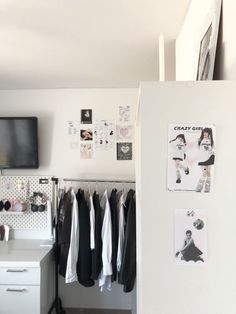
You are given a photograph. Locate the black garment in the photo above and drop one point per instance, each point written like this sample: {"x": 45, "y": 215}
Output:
{"x": 97, "y": 252}
{"x": 192, "y": 253}
{"x": 128, "y": 265}
{"x": 84, "y": 265}
{"x": 64, "y": 230}
{"x": 114, "y": 223}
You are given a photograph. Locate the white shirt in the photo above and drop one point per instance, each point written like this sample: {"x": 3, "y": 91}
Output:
{"x": 105, "y": 276}
{"x": 206, "y": 149}
{"x": 178, "y": 149}
{"x": 92, "y": 223}
{"x": 121, "y": 233}
{"x": 71, "y": 267}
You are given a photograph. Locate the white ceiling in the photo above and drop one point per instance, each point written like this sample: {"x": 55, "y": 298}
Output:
{"x": 84, "y": 43}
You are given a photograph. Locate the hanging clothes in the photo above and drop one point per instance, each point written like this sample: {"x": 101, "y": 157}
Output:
{"x": 64, "y": 230}
{"x": 71, "y": 268}
{"x": 121, "y": 227}
{"x": 92, "y": 222}
{"x": 114, "y": 223}
{"x": 97, "y": 252}
{"x": 128, "y": 265}
{"x": 84, "y": 265}
{"x": 105, "y": 275}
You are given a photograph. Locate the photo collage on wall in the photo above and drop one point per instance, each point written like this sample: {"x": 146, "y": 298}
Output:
{"x": 89, "y": 136}
{"x": 191, "y": 157}
{"x": 124, "y": 145}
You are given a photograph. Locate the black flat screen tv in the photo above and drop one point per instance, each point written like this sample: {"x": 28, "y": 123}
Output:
{"x": 18, "y": 142}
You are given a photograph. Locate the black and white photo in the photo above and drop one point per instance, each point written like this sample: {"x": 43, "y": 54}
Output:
{"x": 190, "y": 236}
{"x": 86, "y": 116}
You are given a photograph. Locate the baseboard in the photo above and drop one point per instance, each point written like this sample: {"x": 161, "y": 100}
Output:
{"x": 96, "y": 311}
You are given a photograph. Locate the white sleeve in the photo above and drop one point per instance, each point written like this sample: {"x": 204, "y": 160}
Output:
{"x": 105, "y": 276}
{"x": 71, "y": 268}
{"x": 121, "y": 234}
{"x": 92, "y": 223}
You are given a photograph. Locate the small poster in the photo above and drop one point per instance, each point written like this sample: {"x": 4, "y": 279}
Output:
{"x": 104, "y": 133}
{"x": 191, "y": 157}
{"x": 124, "y": 151}
{"x": 124, "y": 113}
{"x": 124, "y": 132}
{"x": 86, "y": 134}
{"x": 73, "y": 127}
{"x": 190, "y": 237}
{"x": 86, "y": 150}
{"x": 86, "y": 116}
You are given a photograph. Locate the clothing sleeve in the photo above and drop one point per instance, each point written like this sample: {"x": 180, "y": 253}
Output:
{"x": 92, "y": 223}
{"x": 121, "y": 235}
{"x": 71, "y": 268}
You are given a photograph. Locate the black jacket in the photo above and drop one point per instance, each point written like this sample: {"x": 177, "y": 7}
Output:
{"x": 128, "y": 265}
{"x": 114, "y": 223}
{"x": 97, "y": 252}
{"x": 84, "y": 265}
{"x": 64, "y": 230}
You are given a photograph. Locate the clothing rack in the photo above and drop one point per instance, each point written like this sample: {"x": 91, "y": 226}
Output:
{"x": 57, "y": 304}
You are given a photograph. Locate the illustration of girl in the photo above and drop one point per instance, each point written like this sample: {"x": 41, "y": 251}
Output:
{"x": 207, "y": 159}
{"x": 179, "y": 155}
{"x": 189, "y": 250}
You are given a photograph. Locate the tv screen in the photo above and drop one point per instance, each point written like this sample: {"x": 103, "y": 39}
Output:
{"x": 18, "y": 142}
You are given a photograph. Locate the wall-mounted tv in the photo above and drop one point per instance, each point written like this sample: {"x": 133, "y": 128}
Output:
{"x": 18, "y": 142}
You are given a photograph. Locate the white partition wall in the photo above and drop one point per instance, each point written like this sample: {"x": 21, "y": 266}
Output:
{"x": 163, "y": 286}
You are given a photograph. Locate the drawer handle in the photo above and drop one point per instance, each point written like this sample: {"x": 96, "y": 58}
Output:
{"x": 15, "y": 290}
{"x": 16, "y": 270}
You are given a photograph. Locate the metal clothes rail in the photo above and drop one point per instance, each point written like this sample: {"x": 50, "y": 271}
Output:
{"x": 57, "y": 304}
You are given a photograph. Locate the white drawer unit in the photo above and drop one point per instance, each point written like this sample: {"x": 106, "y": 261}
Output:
{"x": 26, "y": 277}
{"x": 20, "y": 299}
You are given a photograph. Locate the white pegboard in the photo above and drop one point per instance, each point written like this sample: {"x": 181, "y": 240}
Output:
{"x": 22, "y": 187}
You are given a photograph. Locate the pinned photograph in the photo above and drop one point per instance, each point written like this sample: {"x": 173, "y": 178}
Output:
{"x": 190, "y": 237}
{"x": 191, "y": 157}
{"x": 86, "y": 116}
{"x": 86, "y": 134}
{"x": 123, "y": 132}
{"x": 124, "y": 151}
{"x": 86, "y": 150}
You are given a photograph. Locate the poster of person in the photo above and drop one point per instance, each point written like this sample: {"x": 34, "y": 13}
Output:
{"x": 86, "y": 116}
{"x": 190, "y": 237}
{"x": 86, "y": 150}
{"x": 191, "y": 157}
{"x": 204, "y": 56}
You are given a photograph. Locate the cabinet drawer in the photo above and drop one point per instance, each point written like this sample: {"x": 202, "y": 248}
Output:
{"x": 19, "y": 275}
{"x": 19, "y": 299}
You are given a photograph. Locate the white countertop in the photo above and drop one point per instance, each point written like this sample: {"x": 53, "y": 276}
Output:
{"x": 24, "y": 253}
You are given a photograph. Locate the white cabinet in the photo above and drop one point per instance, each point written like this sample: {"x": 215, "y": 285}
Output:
{"x": 27, "y": 288}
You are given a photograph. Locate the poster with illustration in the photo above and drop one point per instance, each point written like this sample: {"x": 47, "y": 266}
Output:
{"x": 104, "y": 134}
{"x": 124, "y": 113}
{"x": 190, "y": 237}
{"x": 86, "y": 150}
{"x": 124, "y": 132}
{"x": 86, "y": 116}
{"x": 191, "y": 157}
{"x": 124, "y": 151}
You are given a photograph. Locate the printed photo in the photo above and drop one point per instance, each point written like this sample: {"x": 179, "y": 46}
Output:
{"x": 124, "y": 151}
{"x": 86, "y": 116}
{"x": 191, "y": 157}
{"x": 204, "y": 56}
{"x": 86, "y": 134}
{"x": 86, "y": 151}
{"x": 190, "y": 237}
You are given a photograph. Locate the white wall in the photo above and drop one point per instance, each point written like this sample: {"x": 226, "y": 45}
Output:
{"x": 163, "y": 286}
{"x": 54, "y": 108}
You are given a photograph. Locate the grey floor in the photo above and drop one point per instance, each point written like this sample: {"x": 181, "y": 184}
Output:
{"x": 94, "y": 311}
